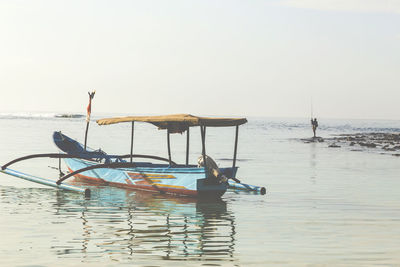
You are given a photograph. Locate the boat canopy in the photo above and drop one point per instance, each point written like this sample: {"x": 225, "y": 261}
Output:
{"x": 177, "y": 123}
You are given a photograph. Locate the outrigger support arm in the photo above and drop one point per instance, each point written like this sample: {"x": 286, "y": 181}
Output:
{"x": 88, "y": 157}
{"x": 48, "y": 155}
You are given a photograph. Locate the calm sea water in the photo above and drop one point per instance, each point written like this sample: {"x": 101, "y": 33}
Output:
{"x": 324, "y": 206}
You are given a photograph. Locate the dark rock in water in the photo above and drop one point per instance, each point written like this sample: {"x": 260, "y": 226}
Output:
{"x": 318, "y": 139}
{"x": 380, "y": 142}
{"x": 74, "y": 116}
{"x": 373, "y": 145}
{"x": 370, "y": 145}
{"x": 313, "y": 140}
{"x": 334, "y": 145}
{"x": 389, "y": 148}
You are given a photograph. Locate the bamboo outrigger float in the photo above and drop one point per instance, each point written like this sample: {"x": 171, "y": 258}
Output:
{"x": 97, "y": 167}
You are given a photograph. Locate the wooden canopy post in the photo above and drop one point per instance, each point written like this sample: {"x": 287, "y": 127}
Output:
{"x": 132, "y": 133}
{"x": 86, "y": 133}
{"x": 169, "y": 147}
{"x": 187, "y": 146}
{"x": 235, "y": 151}
{"x": 203, "y": 145}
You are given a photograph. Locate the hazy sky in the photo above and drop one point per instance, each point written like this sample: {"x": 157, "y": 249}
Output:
{"x": 246, "y": 58}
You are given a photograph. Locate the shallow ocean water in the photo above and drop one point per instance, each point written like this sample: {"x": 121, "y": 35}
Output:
{"x": 324, "y": 206}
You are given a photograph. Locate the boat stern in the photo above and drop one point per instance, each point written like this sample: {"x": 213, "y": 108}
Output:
{"x": 207, "y": 188}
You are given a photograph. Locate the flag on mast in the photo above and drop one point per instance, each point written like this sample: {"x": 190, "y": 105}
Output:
{"x": 89, "y": 107}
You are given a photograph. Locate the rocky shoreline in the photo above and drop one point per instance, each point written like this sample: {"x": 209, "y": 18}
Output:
{"x": 384, "y": 143}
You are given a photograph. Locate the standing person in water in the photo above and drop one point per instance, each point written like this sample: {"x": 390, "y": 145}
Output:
{"x": 314, "y": 124}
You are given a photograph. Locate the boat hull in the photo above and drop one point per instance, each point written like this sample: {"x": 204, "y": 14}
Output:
{"x": 185, "y": 180}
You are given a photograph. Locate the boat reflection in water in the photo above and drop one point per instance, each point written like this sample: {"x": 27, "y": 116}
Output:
{"x": 142, "y": 226}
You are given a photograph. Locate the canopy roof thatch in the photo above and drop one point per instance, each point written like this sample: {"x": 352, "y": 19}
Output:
{"x": 177, "y": 123}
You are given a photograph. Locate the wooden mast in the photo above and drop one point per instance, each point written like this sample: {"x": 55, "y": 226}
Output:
{"x": 89, "y": 111}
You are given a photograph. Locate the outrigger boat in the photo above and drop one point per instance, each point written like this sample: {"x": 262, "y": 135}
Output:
{"x": 98, "y": 167}
{"x": 205, "y": 179}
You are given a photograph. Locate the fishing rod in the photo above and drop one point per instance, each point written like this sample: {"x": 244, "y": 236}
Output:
{"x": 311, "y": 108}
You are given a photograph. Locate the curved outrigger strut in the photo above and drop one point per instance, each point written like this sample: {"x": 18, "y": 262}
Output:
{"x": 90, "y": 156}
{"x": 47, "y": 155}
{"x": 87, "y": 156}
